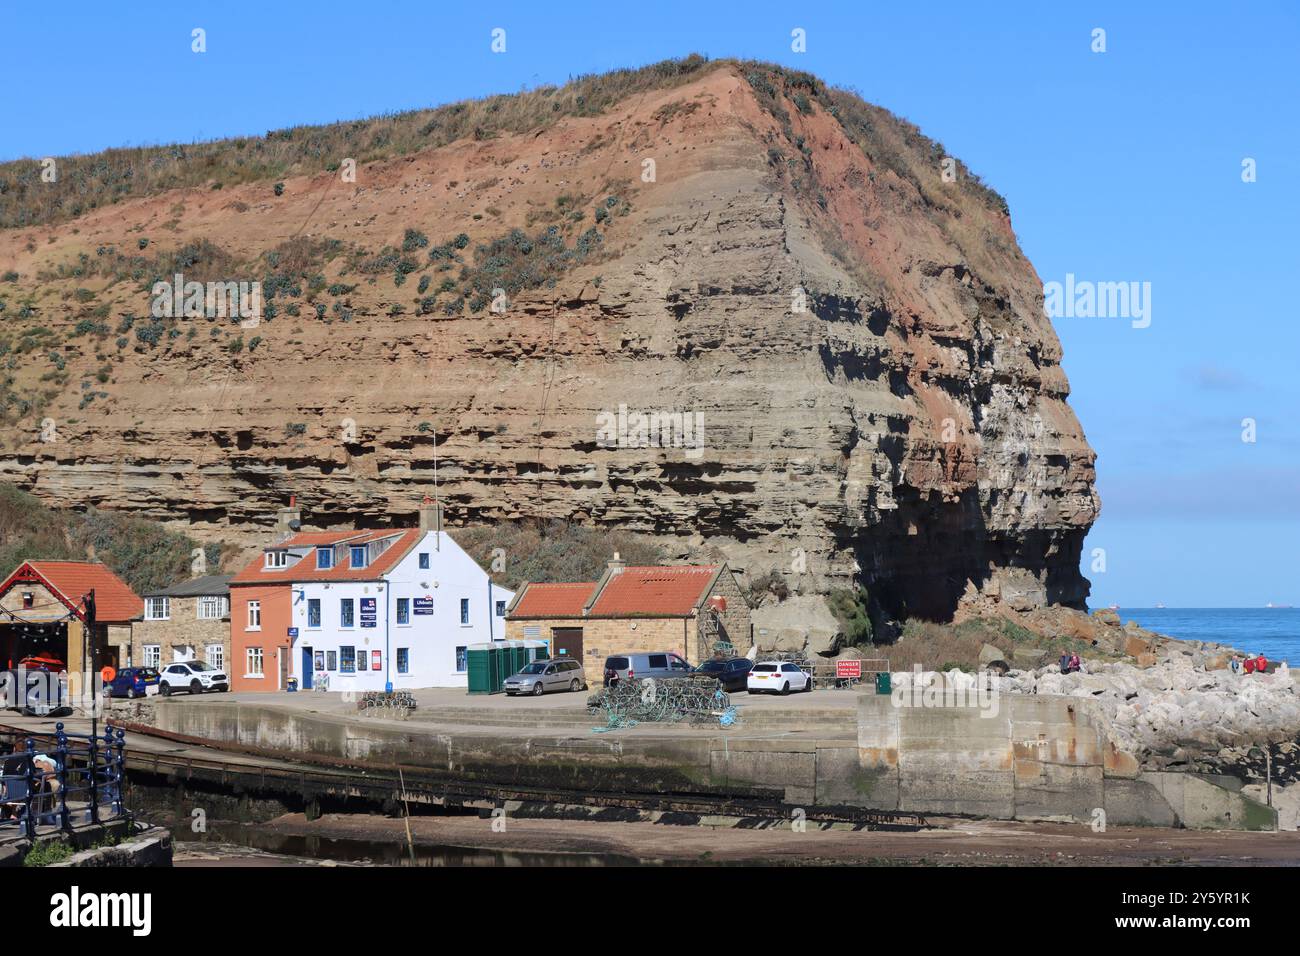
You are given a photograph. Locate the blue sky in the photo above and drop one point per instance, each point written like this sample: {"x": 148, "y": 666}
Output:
{"x": 1123, "y": 165}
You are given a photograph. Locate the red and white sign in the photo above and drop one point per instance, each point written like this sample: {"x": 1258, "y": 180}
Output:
{"x": 848, "y": 670}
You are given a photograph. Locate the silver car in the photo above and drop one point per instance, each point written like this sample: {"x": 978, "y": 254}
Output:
{"x": 540, "y": 676}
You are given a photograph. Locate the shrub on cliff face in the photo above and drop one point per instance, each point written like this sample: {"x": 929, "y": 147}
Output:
{"x": 773, "y": 582}
{"x": 517, "y": 262}
{"x": 938, "y": 646}
{"x": 29, "y": 530}
{"x": 144, "y": 554}
{"x": 850, "y": 610}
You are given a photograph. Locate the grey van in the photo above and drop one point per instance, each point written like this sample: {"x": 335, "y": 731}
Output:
{"x": 540, "y": 676}
{"x": 658, "y": 664}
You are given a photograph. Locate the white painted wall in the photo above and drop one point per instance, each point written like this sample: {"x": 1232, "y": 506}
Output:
{"x": 429, "y": 639}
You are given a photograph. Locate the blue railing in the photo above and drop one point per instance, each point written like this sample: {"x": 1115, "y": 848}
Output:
{"x": 68, "y": 780}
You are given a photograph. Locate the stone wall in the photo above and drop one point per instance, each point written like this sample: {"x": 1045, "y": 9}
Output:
{"x": 182, "y": 629}
{"x": 45, "y": 606}
{"x": 735, "y": 620}
{"x": 604, "y": 636}
{"x": 1039, "y": 759}
{"x": 1030, "y": 758}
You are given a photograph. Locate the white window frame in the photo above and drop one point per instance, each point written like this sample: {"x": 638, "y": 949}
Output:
{"x": 365, "y": 556}
{"x": 249, "y": 655}
{"x": 277, "y": 560}
{"x": 466, "y": 618}
{"x": 397, "y": 612}
{"x": 319, "y": 615}
{"x": 254, "y": 616}
{"x": 353, "y": 604}
{"x": 321, "y": 551}
{"x": 222, "y": 607}
{"x": 152, "y": 654}
{"x": 150, "y": 609}
{"x": 217, "y": 660}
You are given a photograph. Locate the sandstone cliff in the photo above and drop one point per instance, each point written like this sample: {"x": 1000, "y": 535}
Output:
{"x": 907, "y": 430}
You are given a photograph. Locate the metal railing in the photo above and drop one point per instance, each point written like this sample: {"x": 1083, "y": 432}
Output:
{"x": 56, "y": 781}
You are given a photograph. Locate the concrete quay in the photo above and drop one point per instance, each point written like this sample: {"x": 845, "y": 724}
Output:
{"x": 1038, "y": 758}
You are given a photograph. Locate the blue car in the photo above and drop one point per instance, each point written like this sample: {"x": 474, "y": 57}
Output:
{"x": 133, "y": 682}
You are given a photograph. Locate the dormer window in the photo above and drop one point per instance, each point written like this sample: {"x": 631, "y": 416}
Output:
{"x": 324, "y": 558}
{"x": 360, "y": 555}
{"x": 277, "y": 559}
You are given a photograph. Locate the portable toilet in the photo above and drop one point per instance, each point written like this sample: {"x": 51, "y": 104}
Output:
{"x": 535, "y": 650}
{"x": 517, "y": 654}
{"x": 483, "y": 668}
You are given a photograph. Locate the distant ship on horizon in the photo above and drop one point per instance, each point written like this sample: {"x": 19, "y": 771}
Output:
{"x": 1279, "y": 606}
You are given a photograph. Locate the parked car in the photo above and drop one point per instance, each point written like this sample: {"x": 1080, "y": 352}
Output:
{"x": 657, "y": 664}
{"x": 733, "y": 672}
{"x": 133, "y": 682}
{"x": 193, "y": 676}
{"x": 540, "y": 676}
{"x": 777, "y": 677}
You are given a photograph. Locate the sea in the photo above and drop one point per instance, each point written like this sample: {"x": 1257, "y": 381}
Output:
{"x": 1272, "y": 631}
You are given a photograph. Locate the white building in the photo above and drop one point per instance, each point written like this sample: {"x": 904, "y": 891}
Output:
{"x": 390, "y": 609}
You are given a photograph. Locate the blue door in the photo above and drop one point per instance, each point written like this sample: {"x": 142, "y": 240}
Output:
{"x": 306, "y": 668}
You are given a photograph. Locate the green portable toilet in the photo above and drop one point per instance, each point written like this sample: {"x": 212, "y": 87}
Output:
{"x": 485, "y": 666}
{"x": 478, "y": 668}
{"x": 518, "y": 655}
{"x": 499, "y": 666}
{"x": 883, "y": 683}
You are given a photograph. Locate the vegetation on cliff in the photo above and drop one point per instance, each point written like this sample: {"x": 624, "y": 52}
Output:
{"x": 515, "y": 552}
{"x": 143, "y": 553}
{"x": 102, "y": 179}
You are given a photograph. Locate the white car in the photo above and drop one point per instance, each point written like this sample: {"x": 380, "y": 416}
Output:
{"x": 777, "y": 677}
{"x": 193, "y": 676}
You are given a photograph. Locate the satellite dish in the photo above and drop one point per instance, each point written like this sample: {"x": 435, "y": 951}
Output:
{"x": 294, "y": 524}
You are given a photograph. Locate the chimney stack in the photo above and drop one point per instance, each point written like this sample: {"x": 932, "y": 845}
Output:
{"x": 289, "y": 520}
{"x": 430, "y": 515}
{"x": 617, "y": 564}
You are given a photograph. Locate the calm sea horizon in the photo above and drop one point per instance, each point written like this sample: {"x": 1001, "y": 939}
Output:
{"x": 1272, "y": 631}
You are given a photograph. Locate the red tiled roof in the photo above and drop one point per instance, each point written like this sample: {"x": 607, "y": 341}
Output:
{"x": 305, "y": 568}
{"x": 553, "y": 600}
{"x": 115, "y": 602}
{"x": 654, "y": 591}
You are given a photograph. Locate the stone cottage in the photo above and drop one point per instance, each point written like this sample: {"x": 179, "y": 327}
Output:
{"x": 688, "y": 610}
{"x": 43, "y": 613}
{"x": 185, "y": 622}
